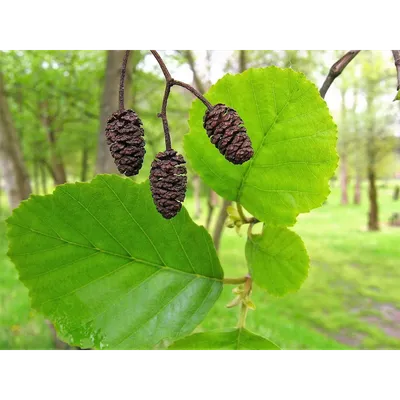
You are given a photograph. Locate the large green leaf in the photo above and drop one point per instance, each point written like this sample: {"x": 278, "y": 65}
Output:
{"x": 234, "y": 339}
{"x": 108, "y": 270}
{"x": 277, "y": 260}
{"x": 293, "y": 135}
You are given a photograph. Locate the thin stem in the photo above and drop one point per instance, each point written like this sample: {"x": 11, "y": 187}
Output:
{"x": 162, "y": 65}
{"x": 122, "y": 80}
{"x": 163, "y": 116}
{"x": 336, "y": 70}
{"x": 169, "y": 82}
{"x": 242, "y": 316}
{"x": 241, "y": 213}
{"x": 243, "y": 308}
{"x": 396, "y": 56}
{"x": 194, "y": 91}
{"x": 234, "y": 281}
{"x": 250, "y": 229}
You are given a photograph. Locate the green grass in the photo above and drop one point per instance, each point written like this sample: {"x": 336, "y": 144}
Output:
{"x": 351, "y": 298}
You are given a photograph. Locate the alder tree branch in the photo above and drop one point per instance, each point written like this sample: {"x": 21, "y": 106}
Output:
{"x": 122, "y": 80}
{"x": 163, "y": 116}
{"x": 336, "y": 70}
{"x": 235, "y": 281}
{"x": 169, "y": 82}
{"x": 396, "y": 57}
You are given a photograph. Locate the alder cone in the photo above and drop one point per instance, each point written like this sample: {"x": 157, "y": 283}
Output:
{"x": 226, "y": 131}
{"x": 124, "y": 134}
{"x": 168, "y": 182}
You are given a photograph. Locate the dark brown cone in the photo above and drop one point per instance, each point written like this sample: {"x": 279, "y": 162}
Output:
{"x": 226, "y": 131}
{"x": 124, "y": 134}
{"x": 168, "y": 182}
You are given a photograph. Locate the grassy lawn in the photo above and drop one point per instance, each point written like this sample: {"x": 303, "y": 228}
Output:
{"x": 351, "y": 298}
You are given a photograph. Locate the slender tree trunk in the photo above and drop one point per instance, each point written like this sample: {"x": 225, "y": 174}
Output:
{"x": 357, "y": 189}
{"x": 343, "y": 180}
{"x": 85, "y": 161}
{"x": 373, "y": 214}
{"x": 105, "y": 163}
{"x": 43, "y": 178}
{"x": 220, "y": 224}
{"x": 57, "y": 163}
{"x": 197, "y": 196}
{"x": 16, "y": 179}
{"x": 212, "y": 202}
{"x": 35, "y": 176}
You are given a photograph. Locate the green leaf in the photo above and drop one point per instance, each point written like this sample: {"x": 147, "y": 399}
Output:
{"x": 277, "y": 259}
{"x": 234, "y": 339}
{"x": 397, "y": 96}
{"x": 104, "y": 266}
{"x": 293, "y": 135}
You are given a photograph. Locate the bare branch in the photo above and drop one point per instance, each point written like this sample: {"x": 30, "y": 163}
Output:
{"x": 188, "y": 54}
{"x": 396, "y": 56}
{"x": 336, "y": 70}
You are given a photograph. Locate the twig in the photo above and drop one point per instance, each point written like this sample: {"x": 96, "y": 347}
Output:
{"x": 396, "y": 56}
{"x": 169, "y": 82}
{"x": 235, "y": 281}
{"x": 174, "y": 82}
{"x": 162, "y": 65}
{"x": 122, "y": 80}
{"x": 163, "y": 116}
{"x": 194, "y": 91}
{"x": 336, "y": 70}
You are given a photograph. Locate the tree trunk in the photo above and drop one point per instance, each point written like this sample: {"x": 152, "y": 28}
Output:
{"x": 212, "y": 203}
{"x": 197, "y": 196}
{"x": 357, "y": 189}
{"x": 85, "y": 161}
{"x": 373, "y": 214}
{"x": 220, "y": 224}
{"x": 343, "y": 180}
{"x": 57, "y": 163}
{"x": 16, "y": 179}
{"x": 105, "y": 163}
{"x": 43, "y": 178}
{"x": 35, "y": 176}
